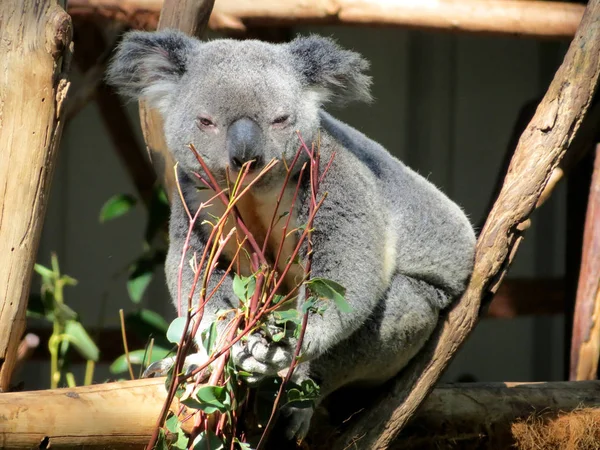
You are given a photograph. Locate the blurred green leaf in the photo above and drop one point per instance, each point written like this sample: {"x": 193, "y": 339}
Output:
{"x": 158, "y": 214}
{"x": 44, "y": 272}
{"x": 35, "y": 307}
{"x": 137, "y": 358}
{"x": 81, "y": 340}
{"x": 146, "y": 323}
{"x": 117, "y": 206}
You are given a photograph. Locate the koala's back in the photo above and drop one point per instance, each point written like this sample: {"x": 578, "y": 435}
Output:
{"x": 426, "y": 235}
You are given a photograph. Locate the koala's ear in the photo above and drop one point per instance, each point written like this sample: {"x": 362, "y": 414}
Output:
{"x": 336, "y": 72}
{"x": 149, "y": 65}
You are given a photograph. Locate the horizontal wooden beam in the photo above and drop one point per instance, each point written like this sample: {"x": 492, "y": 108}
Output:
{"x": 121, "y": 414}
{"x": 527, "y": 18}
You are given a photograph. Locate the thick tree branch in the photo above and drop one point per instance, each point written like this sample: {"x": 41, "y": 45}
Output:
{"x": 539, "y": 151}
{"x": 122, "y": 414}
{"x": 520, "y": 18}
{"x": 585, "y": 347}
{"x": 35, "y": 38}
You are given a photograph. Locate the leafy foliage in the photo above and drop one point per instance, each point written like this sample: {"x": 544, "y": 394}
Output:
{"x": 67, "y": 330}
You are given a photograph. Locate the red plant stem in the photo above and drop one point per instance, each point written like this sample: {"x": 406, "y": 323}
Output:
{"x": 257, "y": 295}
{"x": 258, "y": 255}
{"x": 182, "y": 260}
{"x": 314, "y": 182}
{"x": 279, "y": 198}
{"x": 185, "y": 248}
{"x": 296, "y": 250}
{"x": 289, "y": 217}
{"x": 226, "y": 200}
{"x": 172, "y": 388}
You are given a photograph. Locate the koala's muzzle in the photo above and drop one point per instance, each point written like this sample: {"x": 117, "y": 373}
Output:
{"x": 245, "y": 142}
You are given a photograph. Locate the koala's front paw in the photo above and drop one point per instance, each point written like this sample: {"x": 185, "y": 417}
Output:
{"x": 161, "y": 368}
{"x": 297, "y": 422}
{"x": 261, "y": 357}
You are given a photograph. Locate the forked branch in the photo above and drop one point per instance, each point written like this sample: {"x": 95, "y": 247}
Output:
{"x": 539, "y": 151}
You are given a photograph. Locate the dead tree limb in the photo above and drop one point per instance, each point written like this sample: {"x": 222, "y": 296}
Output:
{"x": 122, "y": 414}
{"x": 35, "y": 38}
{"x": 585, "y": 346}
{"x": 482, "y": 415}
{"x": 191, "y": 17}
{"x": 504, "y": 17}
{"x": 539, "y": 151}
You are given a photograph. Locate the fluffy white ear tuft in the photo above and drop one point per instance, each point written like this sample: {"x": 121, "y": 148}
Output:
{"x": 148, "y": 65}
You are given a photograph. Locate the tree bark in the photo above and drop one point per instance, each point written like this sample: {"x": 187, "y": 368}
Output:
{"x": 539, "y": 151}
{"x": 519, "y": 18}
{"x": 585, "y": 347}
{"x": 35, "y": 39}
{"x": 481, "y": 415}
{"x": 122, "y": 414}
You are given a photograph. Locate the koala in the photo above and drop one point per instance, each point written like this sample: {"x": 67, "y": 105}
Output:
{"x": 399, "y": 246}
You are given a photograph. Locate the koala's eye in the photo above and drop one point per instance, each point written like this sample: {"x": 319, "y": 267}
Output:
{"x": 281, "y": 120}
{"x": 205, "y": 122}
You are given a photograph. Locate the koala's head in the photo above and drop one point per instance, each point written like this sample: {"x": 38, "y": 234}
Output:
{"x": 236, "y": 101}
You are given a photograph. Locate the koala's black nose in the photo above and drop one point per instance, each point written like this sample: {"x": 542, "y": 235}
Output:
{"x": 245, "y": 142}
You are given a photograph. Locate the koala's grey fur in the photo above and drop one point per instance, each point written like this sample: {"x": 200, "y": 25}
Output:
{"x": 399, "y": 246}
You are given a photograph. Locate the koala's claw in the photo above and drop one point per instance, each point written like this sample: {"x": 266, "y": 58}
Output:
{"x": 298, "y": 422}
{"x": 261, "y": 357}
{"x": 161, "y": 368}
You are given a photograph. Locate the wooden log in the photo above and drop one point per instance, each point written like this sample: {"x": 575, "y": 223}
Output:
{"x": 502, "y": 17}
{"x": 35, "y": 38}
{"x": 111, "y": 415}
{"x": 539, "y": 151}
{"x": 482, "y": 415}
{"x": 122, "y": 414}
{"x": 585, "y": 345}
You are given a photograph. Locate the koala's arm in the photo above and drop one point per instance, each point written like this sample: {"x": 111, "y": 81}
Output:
{"x": 349, "y": 249}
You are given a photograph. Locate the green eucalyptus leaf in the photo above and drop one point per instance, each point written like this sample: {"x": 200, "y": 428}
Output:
{"x": 330, "y": 290}
{"x": 209, "y": 337}
{"x": 176, "y": 330}
{"x": 278, "y": 336}
{"x": 81, "y": 340}
{"x": 117, "y": 206}
{"x": 172, "y": 424}
{"x": 243, "y": 445}
{"x": 208, "y": 440}
{"x": 244, "y": 287}
{"x": 289, "y": 315}
{"x": 210, "y": 399}
{"x": 161, "y": 443}
{"x": 182, "y": 441}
